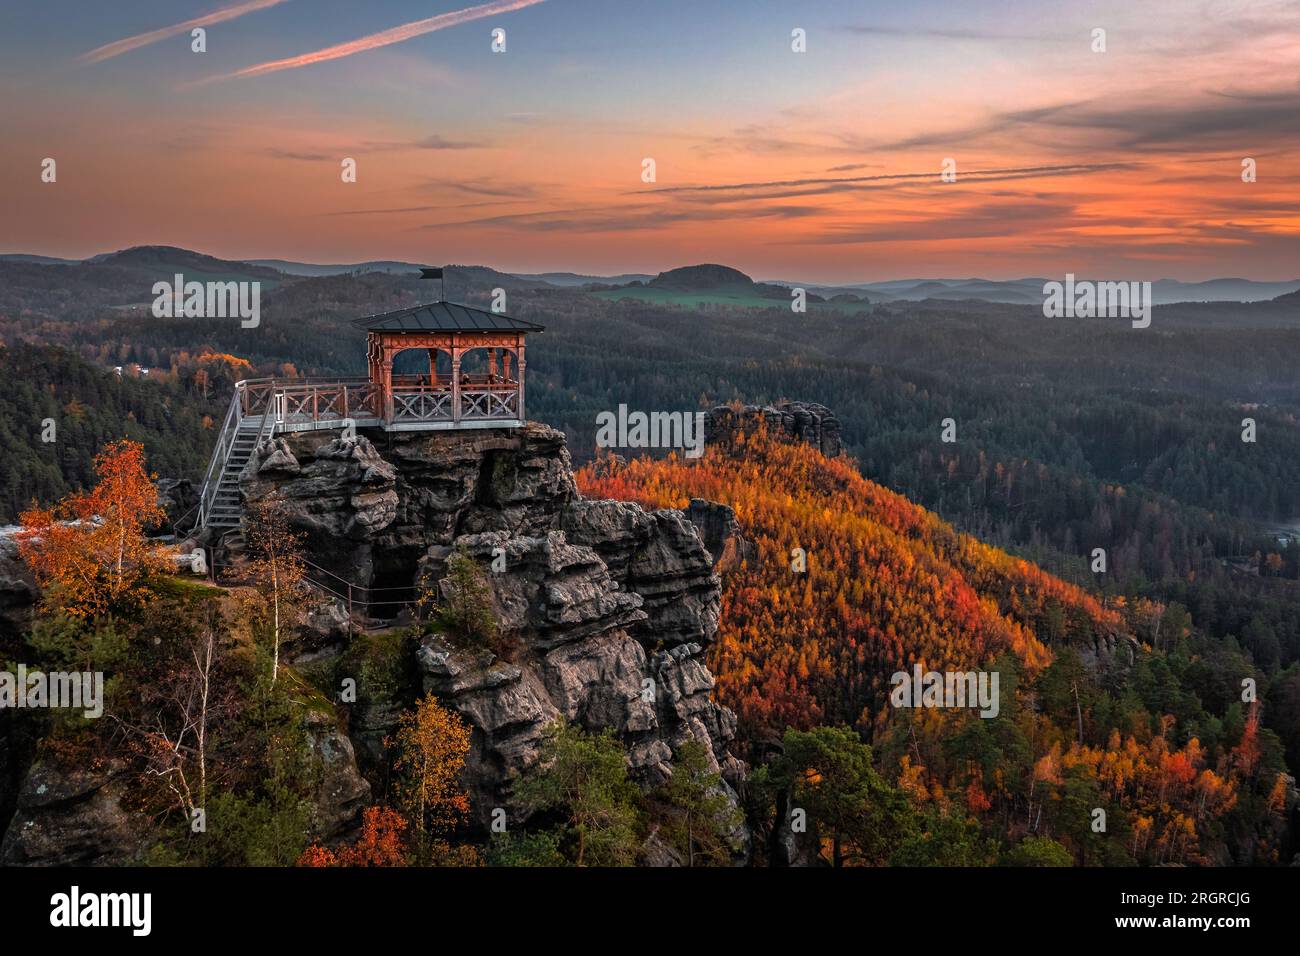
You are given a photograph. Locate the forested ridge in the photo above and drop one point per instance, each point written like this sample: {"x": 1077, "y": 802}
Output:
{"x": 1115, "y": 703}
{"x": 57, "y": 411}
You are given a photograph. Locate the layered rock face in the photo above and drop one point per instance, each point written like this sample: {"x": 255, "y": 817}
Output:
{"x": 721, "y": 533}
{"x": 806, "y": 422}
{"x": 74, "y": 817}
{"x": 17, "y": 590}
{"x": 605, "y": 609}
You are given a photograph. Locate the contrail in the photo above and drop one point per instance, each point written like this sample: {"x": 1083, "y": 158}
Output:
{"x": 118, "y": 47}
{"x": 383, "y": 38}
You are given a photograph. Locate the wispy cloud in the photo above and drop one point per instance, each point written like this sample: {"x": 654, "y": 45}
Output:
{"x": 300, "y": 155}
{"x": 429, "y": 142}
{"x": 338, "y": 149}
{"x": 982, "y": 175}
{"x": 118, "y": 47}
{"x": 1138, "y": 121}
{"x": 376, "y": 40}
{"x": 621, "y": 218}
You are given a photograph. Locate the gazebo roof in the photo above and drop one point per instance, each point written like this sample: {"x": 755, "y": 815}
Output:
{"x": 444, "y": 317}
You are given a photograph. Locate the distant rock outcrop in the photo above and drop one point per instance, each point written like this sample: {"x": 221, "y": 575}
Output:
{"x": 806, "y": 422}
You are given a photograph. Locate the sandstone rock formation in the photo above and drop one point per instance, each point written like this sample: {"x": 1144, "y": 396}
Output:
{"x": 17, "y": 590}
{"x": 806, "y": 422}
{"x": 74, "y": 817}
{"x": 721, "y": 533}
{"x": 607, "y": 609}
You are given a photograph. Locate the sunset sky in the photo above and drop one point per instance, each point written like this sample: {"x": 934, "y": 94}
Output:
{"x": 822, "y": 166}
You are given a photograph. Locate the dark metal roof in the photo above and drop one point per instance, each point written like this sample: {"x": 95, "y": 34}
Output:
{"x": 444, "y": 317}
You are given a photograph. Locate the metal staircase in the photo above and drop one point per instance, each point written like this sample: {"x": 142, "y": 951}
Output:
{"x": 224, "y": 508}
{"x": 241, "y": 434}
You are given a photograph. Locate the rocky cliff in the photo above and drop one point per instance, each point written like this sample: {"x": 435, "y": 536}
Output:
{"x": 606, "y": 608}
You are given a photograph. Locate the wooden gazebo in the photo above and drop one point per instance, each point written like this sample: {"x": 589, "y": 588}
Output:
{"x": 493, "y": 397}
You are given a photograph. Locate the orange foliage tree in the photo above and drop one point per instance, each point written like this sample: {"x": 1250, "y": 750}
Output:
{"x": 90, "y": 552}
{"x": 382, "y": 843}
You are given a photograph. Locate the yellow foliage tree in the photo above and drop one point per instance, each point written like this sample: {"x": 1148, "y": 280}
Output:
{"x": 431, "y": 745}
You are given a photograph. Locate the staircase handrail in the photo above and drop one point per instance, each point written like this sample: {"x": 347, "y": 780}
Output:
{"x": 226, "y": 438}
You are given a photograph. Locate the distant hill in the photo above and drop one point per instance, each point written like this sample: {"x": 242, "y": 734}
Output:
{"x": 164, "y": 262}
{"x": 37, "y": 260}
{"x": 397, "y": 267}
{"x": 1220, "y": 290}
{"x": 713, "y": 284}
{"x": 702, "y": 278}
{"x": 483, "y": 278}
{"x": 705, "y": 283}
{"x": 475, "y": 276}
{"x": 315, "y": 269}
{"x": 573, "y": 279}
{"x": 1029, "y": 291}
{"x": 116, "y": 280}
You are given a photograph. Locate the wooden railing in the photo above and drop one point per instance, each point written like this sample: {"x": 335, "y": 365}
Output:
{"x": 304, "y": 401}
{"x": 488, "y": 403}
{"x": 422, "y": 403}
{"x": 292, "y": 404}
{"x": 323, "y": 402}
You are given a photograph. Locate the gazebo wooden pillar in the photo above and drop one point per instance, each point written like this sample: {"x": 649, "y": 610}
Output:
{"x": 455, "y": 383}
